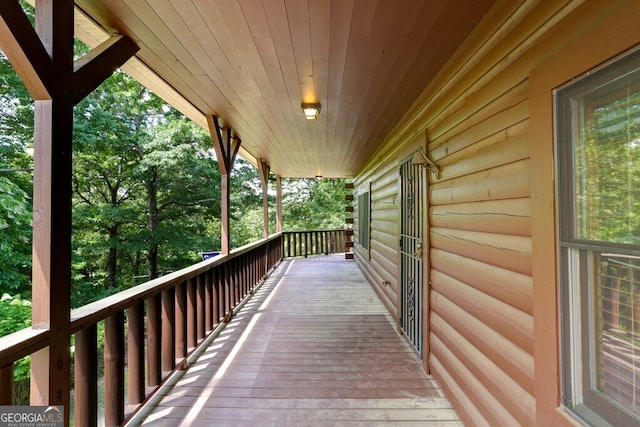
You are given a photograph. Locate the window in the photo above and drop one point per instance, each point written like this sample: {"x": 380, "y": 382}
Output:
{"x": 364, "y": 219}
{"x": 598, "y": 175}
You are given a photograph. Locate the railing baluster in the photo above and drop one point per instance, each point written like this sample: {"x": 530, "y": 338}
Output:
{"x": 86, "y": 377}
{"x": 181, "y": 321}
{"x": 227, "y": 292}
{"x": 114, "y": 369}
{"x": 216, "y": 296}
{"x": 191, "y": 313}
{"x": 168, "y": 323}
{"x": 237, "y": 281}
{"x": 135, "y": 351}
{"x": 209, "y": 302}
{"x": 201, "y": 302}
{"x": 6, "y": 379}
{"x": 154, "y": 342}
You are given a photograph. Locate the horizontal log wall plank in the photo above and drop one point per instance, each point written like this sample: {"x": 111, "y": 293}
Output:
{"x": 509, "y": 322}
{"x": 465, "y": 407}
{"x": 513, "y": 360}
{"x": 487, "y": 404}
{"x": 507, "y": 286}
{"x": 475, "y": 119}
{"x": 502, "y": 250}
{"x": 498, "y": 154}
{"x": 519, "y": 402}
{"x": 504, "y": 182}
{"x": 372, "y": 277}
{"x": 509, "y": 216}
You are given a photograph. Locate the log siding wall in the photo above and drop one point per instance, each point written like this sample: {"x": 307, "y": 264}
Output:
{"x": 477, "y": 114}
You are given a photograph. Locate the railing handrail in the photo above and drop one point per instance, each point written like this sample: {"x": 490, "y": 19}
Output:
{"x": 22, "y": 343}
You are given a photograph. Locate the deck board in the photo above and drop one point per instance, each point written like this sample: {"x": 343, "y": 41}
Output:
{"x": 313, "y": 347}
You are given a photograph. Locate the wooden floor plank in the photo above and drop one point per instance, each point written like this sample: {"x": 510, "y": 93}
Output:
{"x": 314, "y": 346}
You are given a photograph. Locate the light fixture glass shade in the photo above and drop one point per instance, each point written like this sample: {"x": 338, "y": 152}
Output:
{"x": 311, "y": 111}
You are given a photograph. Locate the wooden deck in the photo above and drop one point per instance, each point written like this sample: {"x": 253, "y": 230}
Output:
{"x": 313, "y": 347}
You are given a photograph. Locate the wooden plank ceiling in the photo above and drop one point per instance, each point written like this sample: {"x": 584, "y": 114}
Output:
{"x": 252, "y": 63}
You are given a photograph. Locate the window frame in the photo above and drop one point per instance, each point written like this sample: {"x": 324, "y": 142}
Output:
{"x": 364, "y": 219}
{"x": 578, "y": 258}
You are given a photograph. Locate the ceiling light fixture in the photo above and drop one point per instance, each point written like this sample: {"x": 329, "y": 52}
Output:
{"x": 311, "y": 111}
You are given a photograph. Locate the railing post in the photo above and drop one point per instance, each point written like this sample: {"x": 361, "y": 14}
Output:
{"x": 135, "y": 349}
{"x": 168, "y": 323}
{"x": 6, "y": 379}
{"x": 86, "y": 377}
{"x": 154, "y": 342}
{"x": 114, "y": 369}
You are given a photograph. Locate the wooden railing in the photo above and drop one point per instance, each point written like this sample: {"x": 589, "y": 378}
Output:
{"x": 313, "y": 242}
{"x": 166, "y": 319}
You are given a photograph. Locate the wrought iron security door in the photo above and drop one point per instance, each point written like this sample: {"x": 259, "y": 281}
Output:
{"x": 412, "y": 191}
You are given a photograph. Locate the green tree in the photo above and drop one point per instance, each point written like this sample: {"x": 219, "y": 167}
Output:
{"x": 313, "y": 204}
{"x": 16, "y": 189}
{"x": 180, "y": 176}
{"x": 108, "y": 129}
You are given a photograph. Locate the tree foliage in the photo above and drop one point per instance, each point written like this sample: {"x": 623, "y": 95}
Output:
{"x": 311, "y": 204}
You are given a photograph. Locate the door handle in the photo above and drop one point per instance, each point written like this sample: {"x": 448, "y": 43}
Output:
{"x": 418, "y": 252}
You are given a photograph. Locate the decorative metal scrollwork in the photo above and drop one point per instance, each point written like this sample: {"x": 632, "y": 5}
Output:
{"x": 410, "y": 298}
{"x": 410, "y": 196}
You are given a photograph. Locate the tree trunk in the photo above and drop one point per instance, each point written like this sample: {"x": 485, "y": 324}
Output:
{"x": 112, "y": 259}
{"x": 152, "y": 254}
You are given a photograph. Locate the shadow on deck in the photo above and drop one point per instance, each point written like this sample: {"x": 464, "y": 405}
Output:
{"x": 314, "y": 347}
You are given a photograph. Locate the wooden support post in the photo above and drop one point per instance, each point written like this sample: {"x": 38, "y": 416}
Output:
{"x": 226, "y": 148}
{"x": 278, "y": 204}
{"x": 50, "y": 367}
{"x": 135, "y": 349}
{"x": 225, "y": 237}
{"x": 154, "y": 342}
{"x": 263, "y": 170}
{"x": 86, "y": 377}
{"x": 114, "y": 369}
